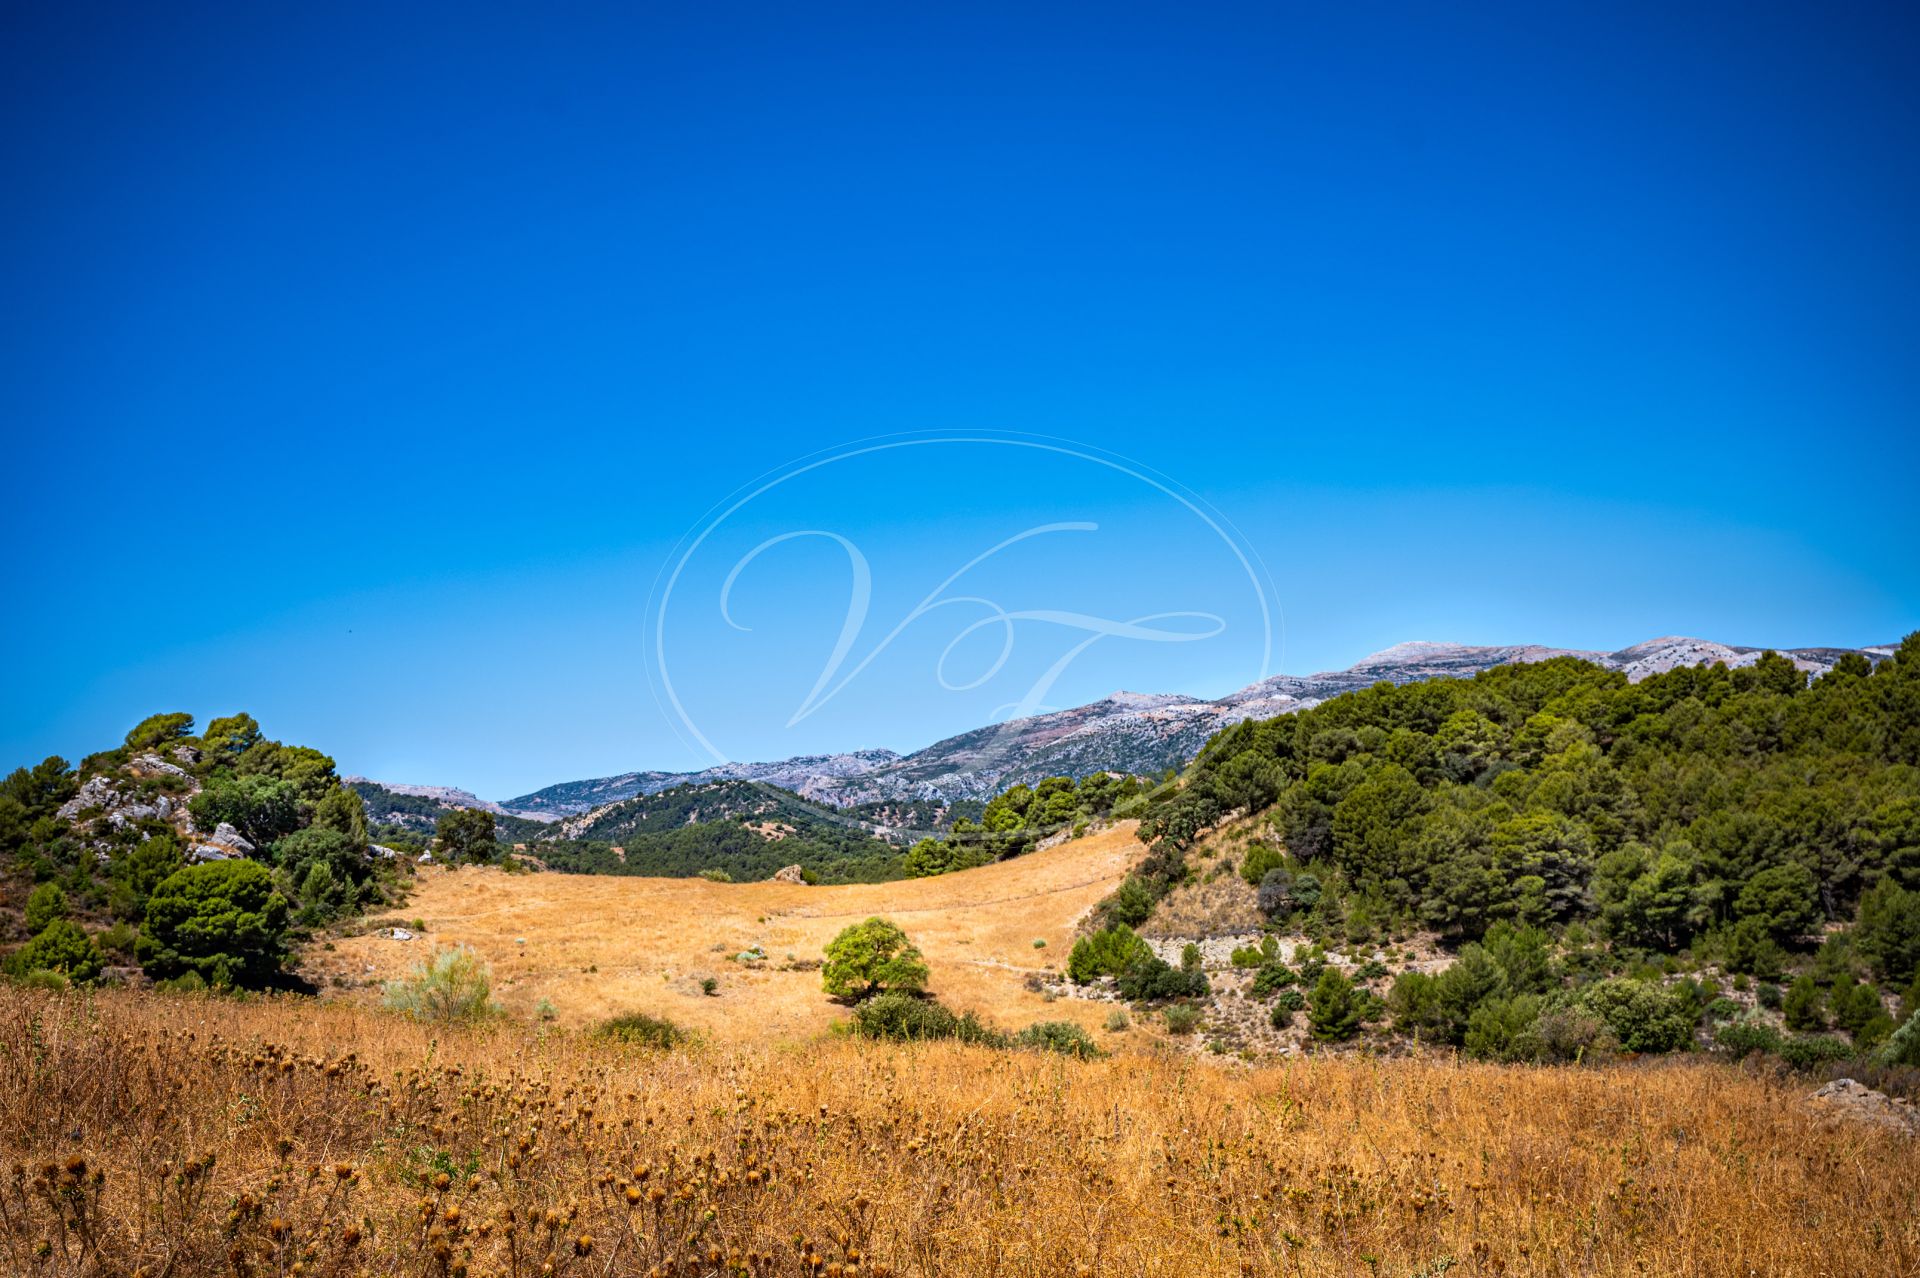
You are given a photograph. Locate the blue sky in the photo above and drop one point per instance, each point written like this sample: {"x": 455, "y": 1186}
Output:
{"x": 363, "y": 369}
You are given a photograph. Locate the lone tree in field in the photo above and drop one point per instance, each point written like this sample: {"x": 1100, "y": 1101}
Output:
{"x": 466, "y": 834}
{"x": 869, "y": 957}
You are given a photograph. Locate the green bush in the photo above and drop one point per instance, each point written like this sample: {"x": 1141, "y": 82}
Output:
{"x": 1803, "y": 1005}
{"x": 871, "y": 957}
{"x": 1502, "y": 1029}
{"x": 45, "y": 904}
{"x": 1058, "y": 1036}
{"x": 1182, "y": 1018}
{"x": 1107, "y": 952}
{"x": 642, "y": 1030}
{"x": 1117, "y": 1020}
{"x": 1643, "y": 1016}
{"x": 1151, "y": 979}
{"x": 1903, "y": 1045}
{"x": 62, "y": 946}
{"x": 1334, "y": 1011}
{"x": 1131, "y": 902}
{"x": 1273, "y": 975}
{"x": 222, "y": 920}
{"x": 453, "y": 985}
{"x": 1807, "y": 1051}
{"x": 902, "y": 1017}
{"x": 1280, "y": 1017}
{"x": 1260, "y": 860}
{"x": 1743, "y": 1038}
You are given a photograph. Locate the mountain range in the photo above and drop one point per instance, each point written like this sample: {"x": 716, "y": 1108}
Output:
{"x": 1140, "y": 733}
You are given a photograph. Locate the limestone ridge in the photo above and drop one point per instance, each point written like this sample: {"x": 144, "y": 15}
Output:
{"x": 1130, "y": 732}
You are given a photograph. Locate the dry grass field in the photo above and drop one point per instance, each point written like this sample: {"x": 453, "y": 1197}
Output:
{"x": 596, "y": 946}
{"x": 173, "y": 1136}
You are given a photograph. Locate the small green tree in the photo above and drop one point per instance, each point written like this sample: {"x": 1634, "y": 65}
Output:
{"x": 45, "y": 904}
{"x": 1888, "y": 932}
{"x": 222, "y": 921}
{"x": 1644, "y": 1016}
{"x": 1334, "y": 1012}
{"x": 466, "y": 834}
{"x": 453, "y": 985}
{"x": 1802, "y": 1007}
{"x": 158, "y": 729}
{"x": 1785, "y": 898}
{"x": 63, "y": 947}
{"x": 869, "y": 957}
{"x": 1107, "y": 952}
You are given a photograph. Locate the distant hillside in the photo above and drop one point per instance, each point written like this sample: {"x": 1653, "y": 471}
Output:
{"x": 1131, "y": 733}
{"x": 745, "y": 830}
{"x": 417, "y": 810}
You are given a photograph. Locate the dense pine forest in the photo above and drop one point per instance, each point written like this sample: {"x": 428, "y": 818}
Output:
{"x": 1567, "y": 831}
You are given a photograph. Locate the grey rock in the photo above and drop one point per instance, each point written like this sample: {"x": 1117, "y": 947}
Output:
{"x": 231, "y": 840}
{"x": 791, "y": 874}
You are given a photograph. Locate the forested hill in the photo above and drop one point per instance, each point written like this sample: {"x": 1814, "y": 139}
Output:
{"x": 1736, "y": 812}
{"x": 737, "y": 829}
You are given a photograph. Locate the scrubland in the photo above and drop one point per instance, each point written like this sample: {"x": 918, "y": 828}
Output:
{"x": 180, "y": 1135}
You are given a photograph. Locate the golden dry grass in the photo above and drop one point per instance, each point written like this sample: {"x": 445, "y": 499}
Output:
{"x": 596, "y": 946}
{"x": 182, "y": 1136}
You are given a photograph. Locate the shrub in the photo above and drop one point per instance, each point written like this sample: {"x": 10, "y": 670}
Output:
{"x": 41, "y": 978}
{"x": 1132, "y": 902}
{"x": 1334, "y": 1013}
{"x": 1644, "y": 1016}
{"x": 1752, "y": 951}
{"x": 1807, "y": 1051}
{"x": 1802, "y": 1006}
{"x": 1769, "y": 996}
{"x": 710, "y": 985}
{"x": 1273, "y": 975}
{"x": 716, "y": 876}
{"x": 45, "y": 904}
{"x": 1280, "y": 893}
{"x": 453, "y": 985}
{"x": 1280, "y": 1017}
{"x": 1117, "y": 1020}
{"x": 1723, "y": 1009}
{"x": 1108, "y": 952}
{"x": 222, "y": 920}
{"x": 263, "y": 808}
{"x": 1151, "y": 979}
{"x": 1903, "y": 1045}
{"x": 62, "y": 946}
{"x": 871, "y": 957}
{"x": 642, "y": 1030}
{"x": 1571, "y": 1033}
{"x": 1182, "y": 1018}
{"x": 1502, "y": 1029}
{"x": 1058, "y": 1036}
{"x": 1261, "y": 860}
{"x": 1743, "y": 1038}
{"x": 902, "y": 1017}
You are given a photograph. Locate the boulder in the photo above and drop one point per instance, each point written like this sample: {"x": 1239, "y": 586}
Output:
{"x": 152, "y": 765}
{"x": 381, "y": 851}
{"x": 199, "y": 853}
{"x": 791, "y": 874}
{"x": 186, "y": 754}
{"x": 231, "y": 840}
{"x": 1852, "y": 1101}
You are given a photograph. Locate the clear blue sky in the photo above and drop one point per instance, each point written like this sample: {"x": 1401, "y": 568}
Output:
{"x": 361, "y": 368}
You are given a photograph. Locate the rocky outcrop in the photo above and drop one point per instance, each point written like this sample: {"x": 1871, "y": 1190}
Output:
{"x": 117, "y": 808}
{"x": 230, "y": 841}
{"x": 791, "y": 874}
{"x": 1846, "y": 1100}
